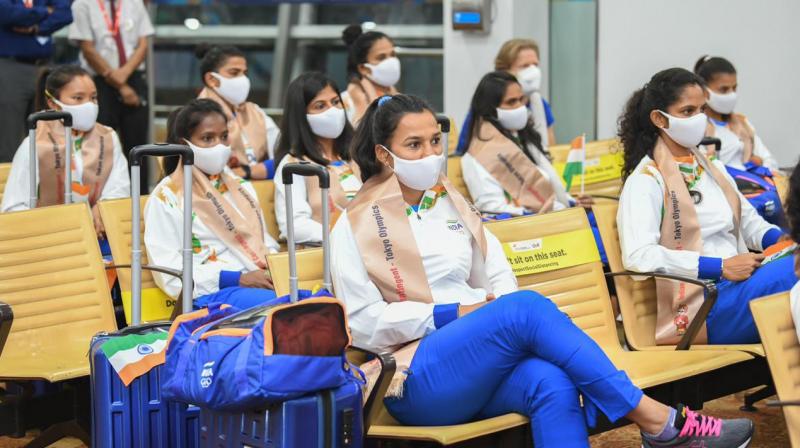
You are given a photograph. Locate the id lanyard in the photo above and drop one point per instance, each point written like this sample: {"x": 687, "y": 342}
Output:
{"x": 248, "y": 149}
{"x": 113, "y": 27}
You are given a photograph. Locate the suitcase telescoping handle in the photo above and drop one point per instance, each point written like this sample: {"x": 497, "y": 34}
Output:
{"x": 50, "y": 115}
{"x": 712, "y": 141}
{"x": 444, "y": 125}
{"x": 187, "y": 159}
{"x": 307, "y": 169}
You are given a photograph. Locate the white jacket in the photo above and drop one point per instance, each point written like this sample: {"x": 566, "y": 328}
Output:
{"x": 732, "y": 149}
{"x": 17, "y": 192}
{"x": 305, "y": 228}
{"x": 639, "y": 222}
{"x": 163, "y": 236}
{"x": 273, "y": 132}
{"x": 447, "y": 259}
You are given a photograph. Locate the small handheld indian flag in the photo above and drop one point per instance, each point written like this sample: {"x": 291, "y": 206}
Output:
{"x": 575, "y": 161}
{"x": 134, "y": 355}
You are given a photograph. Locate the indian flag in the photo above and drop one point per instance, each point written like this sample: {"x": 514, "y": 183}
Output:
{"x": 134, "y": 355}
{"x": 575, "y": 160}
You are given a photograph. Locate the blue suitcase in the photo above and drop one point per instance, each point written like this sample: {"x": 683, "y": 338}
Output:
{"x": 136, "y": 416}
{"x": 327, "y": 419}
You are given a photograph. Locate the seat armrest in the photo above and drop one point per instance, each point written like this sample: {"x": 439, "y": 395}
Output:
{"x": 605, "y": 196}
{"x": 710, "y": 289}
{"x": 373, "y": 404}
{"x": 6, "y": 317}
{"x": 149, "y": 267}
{"x": 779, "y": 403}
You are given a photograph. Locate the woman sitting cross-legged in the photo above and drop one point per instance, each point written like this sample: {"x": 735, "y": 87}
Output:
{"x": 423, "y": 278}
{"x": 229, "y": 236}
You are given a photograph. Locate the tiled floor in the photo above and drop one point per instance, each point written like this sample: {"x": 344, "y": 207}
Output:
{"x": 770, "y": 428}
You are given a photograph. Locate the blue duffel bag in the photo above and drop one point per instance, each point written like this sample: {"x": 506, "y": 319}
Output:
{"x": 761, "y": 192}
{"x": 235, "y": 361}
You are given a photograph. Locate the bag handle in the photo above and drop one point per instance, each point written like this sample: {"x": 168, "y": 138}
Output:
{"x": 444, "y": 125}
{"x": 307, "y": 169}
{"x": 187, "y": 159}
{"x": 32, "y": 121}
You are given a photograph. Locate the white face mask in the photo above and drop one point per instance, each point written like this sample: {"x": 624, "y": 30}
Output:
{"x": 530, "y": 78}
{"x": 84, "y": 116}
{"x": 687, "y": 132}
{"x": 328, "y": 124}
{"x": 722, "y": 103}
{"x": 234, "y": 90}
{"x": 210, "y": 160}
{"x": 513, "y": 119}
{"x": 421, "y": 174}
{"x": 386, "y": 73}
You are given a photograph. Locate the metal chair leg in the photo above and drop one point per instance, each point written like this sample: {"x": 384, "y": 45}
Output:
{"x": 59, "y": 431}
{"x": 751, "y": 399}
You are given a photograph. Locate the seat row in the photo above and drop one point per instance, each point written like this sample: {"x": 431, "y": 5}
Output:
{"x": 52, "y": 276}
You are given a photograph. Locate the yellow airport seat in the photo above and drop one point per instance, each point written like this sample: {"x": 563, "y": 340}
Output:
{"x": 5, "y": 169}
{"x": 595, "y": 151}
{"x": 309, "y": 270}
{"x": 456, "y": 176}
{"x": 156, "y": 304}
{"x": 52, "y": 276}
{"x": 579, "y": 291}
{"x": 777, "y": 330}
{"x": 265, "y": 189}
{"x": 637, "y": 299}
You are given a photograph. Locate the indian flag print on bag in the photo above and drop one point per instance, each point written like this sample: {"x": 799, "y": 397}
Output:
{"x": 134, "y": 355}
{"x": 575, "y": 160}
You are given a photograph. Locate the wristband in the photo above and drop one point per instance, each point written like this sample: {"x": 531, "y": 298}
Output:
{"x": 247, "y": 171}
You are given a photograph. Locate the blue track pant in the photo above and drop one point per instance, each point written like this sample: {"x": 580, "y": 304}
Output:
{"x": 730, "y": 320}
{"x": 521, "y": 354}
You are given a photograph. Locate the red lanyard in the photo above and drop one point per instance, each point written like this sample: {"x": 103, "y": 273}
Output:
{"x": 113, "y": 28}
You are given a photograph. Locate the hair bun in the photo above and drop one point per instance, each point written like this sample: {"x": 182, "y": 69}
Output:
{"x": 351, "y": 33}
{"x": 201, "y": 50}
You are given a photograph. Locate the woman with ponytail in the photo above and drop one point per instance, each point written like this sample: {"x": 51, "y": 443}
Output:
{"x": 422, "y": 278}
{"x": 253, "y": 134}
{"x": 99, "y": 167}
{"x": 741, "y": 147}
{"x": 230, "y": 243}
{"x": 681, "y": 214}
{"x": 373, "y": 69}
{"x": 742, "y": 151}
